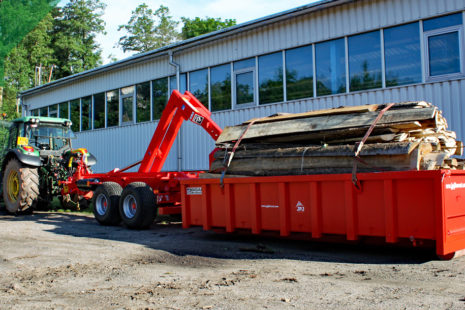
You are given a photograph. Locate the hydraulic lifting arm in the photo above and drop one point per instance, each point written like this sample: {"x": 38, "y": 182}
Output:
{"x": 179, "y": 108}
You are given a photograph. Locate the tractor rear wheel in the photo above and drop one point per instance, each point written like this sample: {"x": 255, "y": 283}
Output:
{"x": 137, "y": 206}
{"x": 20, "y": 187}
{"x": 105, "y": 200}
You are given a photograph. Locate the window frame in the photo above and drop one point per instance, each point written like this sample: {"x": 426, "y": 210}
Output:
{"x": 150, "y": 102}
{"x": 236, "y": 105}
{"x": 210, "y": 101}
{"x": 441, "y": 31}
{"x": 189, "y": 82}
{"x": 283, "y": 83}
{"x": 121, "y": 97}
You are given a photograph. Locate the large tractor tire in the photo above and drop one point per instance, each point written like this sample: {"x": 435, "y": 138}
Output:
{"x": 20, "y": 187}
{"x": 105, "y": 200}
{"x": 137, "y": 206}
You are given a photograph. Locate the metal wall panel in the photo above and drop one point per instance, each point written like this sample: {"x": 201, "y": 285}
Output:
{"x": 449, "y": 96}
{"x": 119, "y": 147}
{"x": 356, "y": 17}
{"x": 103, "y": 82}
{"x": 360, "y": 16}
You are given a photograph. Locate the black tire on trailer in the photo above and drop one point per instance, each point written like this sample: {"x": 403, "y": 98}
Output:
{"x": 20, "y": 187}
{"x": 137, "y": 206}
{"x": 105, "y": 201}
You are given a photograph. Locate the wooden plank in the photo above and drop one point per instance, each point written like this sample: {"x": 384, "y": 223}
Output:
{"x": 328, "y": 136}
{"x": 433, "y": 160}
{"x": 397, "y": 137}
{"x": 328, "y": 122}
{"x": 326, "y": 164}
{"x": 339, "y": 110}
{"x": 394, "y": 148}
{"x": 459, "y": 149}
{"x": 289, "y": 116}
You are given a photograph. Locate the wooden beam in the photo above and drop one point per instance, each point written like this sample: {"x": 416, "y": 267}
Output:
{"x": 375, "y": 149}
{"x": 320, "y": 123}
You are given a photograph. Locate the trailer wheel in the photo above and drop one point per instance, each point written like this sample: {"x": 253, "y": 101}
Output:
{"x": 137, "y": 206}
{"x": 105, "y": 200}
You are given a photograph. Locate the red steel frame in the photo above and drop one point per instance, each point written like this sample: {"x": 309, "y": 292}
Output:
{"x": 412, "y": 206}
{"x": 164, "y": 184}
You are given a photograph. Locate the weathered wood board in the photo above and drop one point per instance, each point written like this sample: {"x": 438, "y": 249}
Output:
{"x": 320, "y": 123}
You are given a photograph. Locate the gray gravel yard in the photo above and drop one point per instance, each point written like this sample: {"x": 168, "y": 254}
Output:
{"x": 68, "y": 261}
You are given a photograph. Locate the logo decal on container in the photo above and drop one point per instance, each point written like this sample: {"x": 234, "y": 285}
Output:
{"x": 270, "y": 206}
{"x": 454, "y": 186}
{"x": 194, "y": 191}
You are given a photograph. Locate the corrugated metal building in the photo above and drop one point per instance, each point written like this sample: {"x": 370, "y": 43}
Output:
{"x": 322, "y": 55}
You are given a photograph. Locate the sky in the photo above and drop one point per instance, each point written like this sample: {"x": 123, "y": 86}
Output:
{"x": 118, "y": 13}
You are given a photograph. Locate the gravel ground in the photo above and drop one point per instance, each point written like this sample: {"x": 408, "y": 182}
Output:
{"x": 68, "y": 261}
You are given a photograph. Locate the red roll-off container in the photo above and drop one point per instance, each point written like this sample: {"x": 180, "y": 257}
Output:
{"x": 412, "y": 205}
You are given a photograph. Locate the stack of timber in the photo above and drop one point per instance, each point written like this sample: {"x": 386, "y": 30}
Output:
{"x": 408, "y": 136}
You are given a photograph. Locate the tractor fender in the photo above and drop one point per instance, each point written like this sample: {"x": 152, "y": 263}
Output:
{"x": 91, "y": 160}
{"x": 30, "y": 160}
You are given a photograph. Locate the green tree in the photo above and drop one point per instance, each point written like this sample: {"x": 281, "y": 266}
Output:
{"x": 148, "y": 29}
{"x": 17, "y": 19}
{"x": 76, "y": 26}
{"x": 198, "y": 26}
{"x": 34, "y": 50}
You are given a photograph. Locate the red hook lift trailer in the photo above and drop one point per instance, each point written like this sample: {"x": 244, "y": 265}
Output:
{"x": 420, "y": 208}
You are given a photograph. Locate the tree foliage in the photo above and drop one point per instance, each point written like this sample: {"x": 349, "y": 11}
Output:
{"x": 198, "y": 26}
{"x": 21, "y": 62}
{"x": 148, "y": 29}
{"x": 74, "y": 36}
{"x": 17, "y": 19}
{"x": 64, "y": 38}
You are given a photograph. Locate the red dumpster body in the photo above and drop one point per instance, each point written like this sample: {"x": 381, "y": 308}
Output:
{"x": 396, "y": 206}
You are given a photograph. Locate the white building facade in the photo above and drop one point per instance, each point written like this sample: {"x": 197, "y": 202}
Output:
{"x": 327, "y": 54}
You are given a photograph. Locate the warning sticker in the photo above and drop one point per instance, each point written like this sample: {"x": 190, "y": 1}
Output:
{"x": 300, "y": 207}
{"x": 197, "y": 119}
{"x": 194, "y": 191}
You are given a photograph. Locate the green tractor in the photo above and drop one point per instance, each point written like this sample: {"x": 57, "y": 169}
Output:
{"x": 36, "y": 156}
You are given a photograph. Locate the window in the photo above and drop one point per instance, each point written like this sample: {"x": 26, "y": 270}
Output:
{"x": 127, "y": 101}
{"x": 35, "y": 112}
{"x": 244, "y": 77}
{"x": 270, "y": 78}
{"x": 86, "y": 113}
{"x": 330, "y": 67}
{"x": 75, "y": 114}
{"x": 442, "y": 22}
{"x": 198, "y": 85}
{"x": 143, "y": 102}
{"x": 43, "y": 111}
{"x": 402, "y": 54}
{"x": 299, "y": 73}
{"x": 53, "y": 110}
{"x": 443, "y": 40}
{"x": 365, "y": 61}
{"x": 64, "y": 110}
{"x": 112, "y": 108}
{"x": 99, "y": 111}
{"x": 220, "y": 87}
{"x": 182, "y": 83}
{"x": 160, "y": 96}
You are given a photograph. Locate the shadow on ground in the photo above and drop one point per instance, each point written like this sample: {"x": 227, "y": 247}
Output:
{"x": 172, "y": 238}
